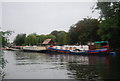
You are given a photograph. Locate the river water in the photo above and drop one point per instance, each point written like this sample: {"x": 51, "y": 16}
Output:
{"x": 26, "y": 65}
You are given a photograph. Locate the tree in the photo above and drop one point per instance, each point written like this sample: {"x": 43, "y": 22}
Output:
{"x": 49, "y": 36}
{"x": 72, "y": 35}
{"x": 62, "y": 38}
{"x": 20, "y": 39}
{"x": 55, "y": 33}
{"x": 83, "y": 31}
{"x": 87, "y": 30}
{"x": 31, "y": 39}
{"x": 4, "y": 37}
{"x": 109, "y": 28}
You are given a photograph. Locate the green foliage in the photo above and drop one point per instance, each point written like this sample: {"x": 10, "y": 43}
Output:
{"x": 109, "y": 28}
{"x": 4, "y": 37}
{"x": 105, "y": 7}
{"x": 31, "y": 39}
{"x": 84, "y": 31}
{"x": 72, "y": 35}
{"x": 61, "y": 37}
{"x": 109, "y": 9}
{"x": 55, "y": 33}
{"x": 49, "y": 36}
{"x": 87, "y": 30}
{"x": 20, "y": 39}
{"x": 3, "y": 41}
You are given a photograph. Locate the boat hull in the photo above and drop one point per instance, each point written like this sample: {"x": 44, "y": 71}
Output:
{"x": 99, "y": 51}
{"x": 87, "y": 52}
{"x": 58, "y": 50}
{"x": 64, "y": 51}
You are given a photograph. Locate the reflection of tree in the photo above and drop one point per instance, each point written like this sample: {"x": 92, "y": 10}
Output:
{"x": 25, "y": 55}
{"x": 97, "y": 68}
{"x": 114, "y": 68}
{"x": 83, "y": 71}
{"x": 24, "y": 58}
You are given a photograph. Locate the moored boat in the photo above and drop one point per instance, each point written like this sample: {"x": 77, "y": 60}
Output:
{"x": 71, "y": 49}
{"x": 34, "y": 49}
{"x": 14, "y": 48}
{"x": 98, "y": 47}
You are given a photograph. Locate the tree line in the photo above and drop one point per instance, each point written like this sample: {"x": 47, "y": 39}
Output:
{"x": 106, "y": 27}
{"x": 80, "y": 32}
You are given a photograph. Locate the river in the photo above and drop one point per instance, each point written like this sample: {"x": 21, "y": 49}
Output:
{"x": 26, "y": 65}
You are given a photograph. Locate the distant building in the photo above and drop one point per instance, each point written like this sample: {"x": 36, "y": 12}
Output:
{"x": 49, "y": 42}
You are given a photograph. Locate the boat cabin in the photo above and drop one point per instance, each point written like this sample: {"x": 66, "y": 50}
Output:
{"x": 98, "y": 45}
{"x": 49, "y": 42}
{"x": 101, "y": 44}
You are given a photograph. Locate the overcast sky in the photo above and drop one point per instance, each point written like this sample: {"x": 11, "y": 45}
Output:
{"x": 43, "y": 17}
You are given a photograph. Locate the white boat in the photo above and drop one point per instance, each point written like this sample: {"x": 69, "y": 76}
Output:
{"x": 34, "y": 48}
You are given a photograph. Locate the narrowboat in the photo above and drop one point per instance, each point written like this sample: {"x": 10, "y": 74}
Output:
{"x": 97, "y": 47}
{"x": 69, "y": 49}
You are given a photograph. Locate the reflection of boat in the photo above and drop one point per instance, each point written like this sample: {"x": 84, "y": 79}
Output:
{"x": 98, "y": 47}
{"x": 34, "y": 48}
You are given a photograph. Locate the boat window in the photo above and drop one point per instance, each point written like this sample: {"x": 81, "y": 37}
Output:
{"x": 70, "y": 48}
{"x": 66, "y": 48}
{"x": 74, "y": 48}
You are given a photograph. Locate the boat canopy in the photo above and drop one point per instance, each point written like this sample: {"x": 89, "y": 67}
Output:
{"x": 101, "y": 42}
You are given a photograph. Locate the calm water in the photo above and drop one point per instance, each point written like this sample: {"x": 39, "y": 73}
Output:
{"x": 24, "y": 65}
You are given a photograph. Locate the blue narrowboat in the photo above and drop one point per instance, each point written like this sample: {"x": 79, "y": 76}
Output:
{"x": 97, "y": 47}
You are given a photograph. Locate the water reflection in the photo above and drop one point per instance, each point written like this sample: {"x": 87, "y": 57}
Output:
{"x": 60, "y": 66}
{"x": 90, "y": 70}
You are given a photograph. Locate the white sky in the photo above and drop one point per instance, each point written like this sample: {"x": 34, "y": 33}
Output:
{"x": 51, "y": 0}
{"x": 43, "y": 17}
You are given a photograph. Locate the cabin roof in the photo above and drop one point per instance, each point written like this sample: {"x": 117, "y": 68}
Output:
{"x": 47, "y": 41}
{"x": 101, "y": 42}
